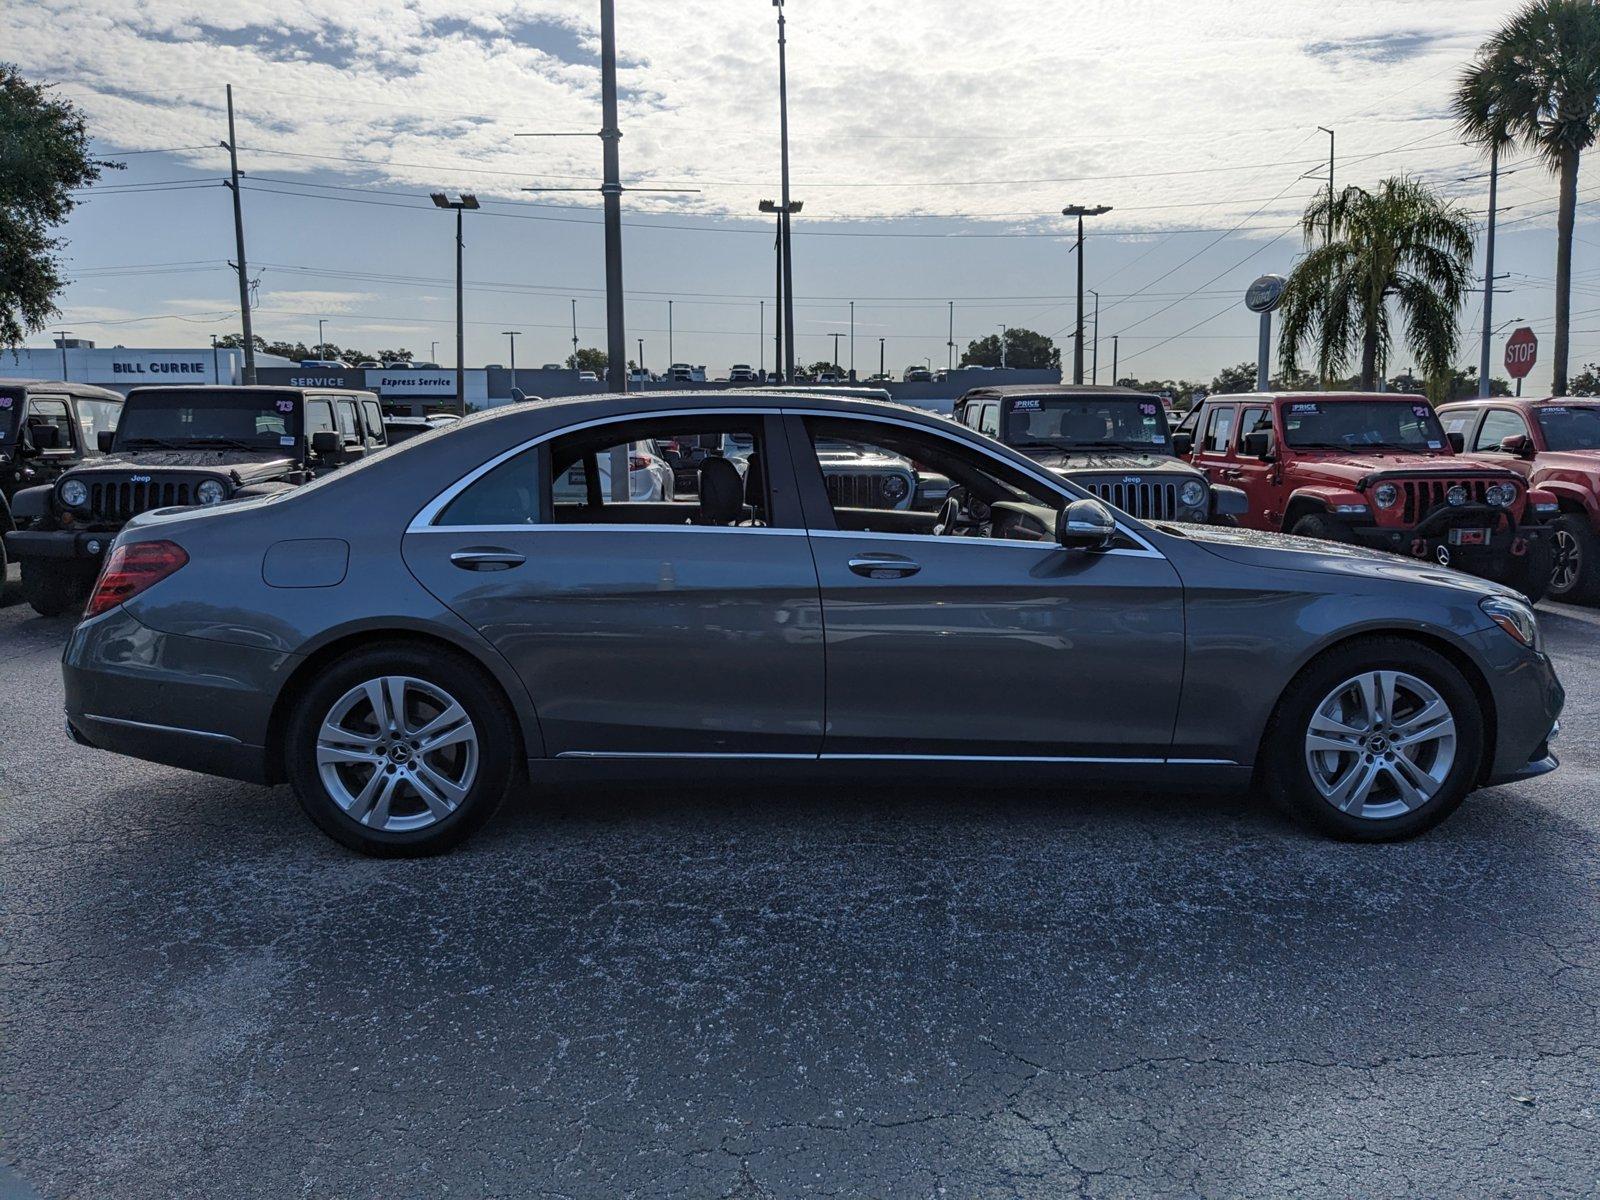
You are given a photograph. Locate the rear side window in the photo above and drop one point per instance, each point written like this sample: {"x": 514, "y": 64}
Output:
{"x": 989, "y": 419}
{"x": 318, "y": 417}
{"x": 349, "y": 429}
{"x": 1219, "y": 430}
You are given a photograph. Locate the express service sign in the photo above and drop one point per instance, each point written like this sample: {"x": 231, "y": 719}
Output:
{"x": 401, "y": 384}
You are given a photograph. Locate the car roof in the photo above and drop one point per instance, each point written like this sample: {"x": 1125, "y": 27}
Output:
{"x": 87, "y": 390}
{"x": 1520, "y": 401}
{"x": 268, "y": 389}
{"x": 1005, "y": 390}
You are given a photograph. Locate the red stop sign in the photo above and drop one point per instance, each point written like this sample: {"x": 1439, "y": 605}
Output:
{"x": 1522, "y": 351}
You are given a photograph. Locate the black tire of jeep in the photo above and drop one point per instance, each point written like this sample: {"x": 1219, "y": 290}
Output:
{"x": 1287, "y": 778}
{"x": 1585, "y": 587}
{"x": 52, "y": 589}
{"x": 1322, "y": 527}
{"x": 1530, "y": 572}
{"x": 5, "y": 575}
{"x": 499, "y": 746}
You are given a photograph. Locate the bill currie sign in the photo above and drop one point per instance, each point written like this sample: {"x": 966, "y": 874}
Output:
{"x": 195, "y": 368}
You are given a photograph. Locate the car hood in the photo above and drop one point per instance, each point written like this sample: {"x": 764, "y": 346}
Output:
{"x": 246, "y": 467}
{"x": 1078, "y": 461}
{"x": 1350, "y": 469}
{"x": 1279, "y": 551}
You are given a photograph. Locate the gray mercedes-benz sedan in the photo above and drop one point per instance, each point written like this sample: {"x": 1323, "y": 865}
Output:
{"x": 405, "y": 641}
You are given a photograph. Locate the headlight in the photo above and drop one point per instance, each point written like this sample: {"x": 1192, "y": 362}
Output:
{"x": 1387, "y": 495}
{"x": 1515, "y": 617}
{"x": 1502, "y": 495}
{"x": 895, "y": 487}
{"x": 1456, "y": 496}
{"x": 74, "y": 493}
{"x": 1192, "y": 493}
{"x": 211, "y": 491}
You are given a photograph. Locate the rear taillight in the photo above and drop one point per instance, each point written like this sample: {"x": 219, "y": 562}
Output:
{"x": 640, "y": 462}
{"x": 131, "y": 569}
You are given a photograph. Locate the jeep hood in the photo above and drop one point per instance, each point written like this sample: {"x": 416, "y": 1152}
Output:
{"x": 1347, "y": 470}
{"x": 248, "y": 467}
{"x": 1071, "y": 462}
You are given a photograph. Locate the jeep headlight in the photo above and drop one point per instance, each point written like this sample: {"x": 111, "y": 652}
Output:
{"x": 74, "y": 493}
{"x": 1192, "y": 494}
{"x": 1515, "y": 617}
{"x": 895, "y": 488}
{"x": 1501, "y": 495}
{"x": 211, "y": 491}
{"x": 1386, "y": 494}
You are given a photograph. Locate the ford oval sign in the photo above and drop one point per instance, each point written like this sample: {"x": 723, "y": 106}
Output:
{"x": 1265, "y": 294}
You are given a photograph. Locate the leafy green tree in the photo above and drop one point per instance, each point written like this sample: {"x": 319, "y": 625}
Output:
{"x": 1403, "y": 243}
{"x": 1536, "y": 84}
{"x": 1464, "y": 385}
{"x": 1587, "y": 381}
{"x": 588, "y": 359}
{"x": 44, "y": 159}
{"x": 1230, "y": 381}
{"x": 1025, "y": 350}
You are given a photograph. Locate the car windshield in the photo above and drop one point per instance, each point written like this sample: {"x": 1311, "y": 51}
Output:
{"x": 184, "y": 419}
{"x": 11, "y": 404}
{"x": 1362, "y": 424}
{"x": 1570, "y": 427}
{"x": 1115, "y": 422}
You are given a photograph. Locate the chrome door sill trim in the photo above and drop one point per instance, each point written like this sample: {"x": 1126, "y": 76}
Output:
{"x": 154, "y": 728}
{"x": 651, "y": 754}
{"x": 967, "y": 758}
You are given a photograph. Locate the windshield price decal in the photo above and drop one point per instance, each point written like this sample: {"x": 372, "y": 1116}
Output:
{"x": 1148, "y": 410}
{"x": 1312, "y": 409}
{"x": 1025, "y": 405}
{"x": 286, "y": 406}
{"x": 286, "y": 441}
{"x": 5, "y": 401}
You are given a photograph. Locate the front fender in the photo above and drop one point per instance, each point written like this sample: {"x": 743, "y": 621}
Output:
{"x": 1323, "y": 498}
{"x": 31, "y": 503}
{"x": 1228, "y": 501}
{"x": 1578, "y": 497}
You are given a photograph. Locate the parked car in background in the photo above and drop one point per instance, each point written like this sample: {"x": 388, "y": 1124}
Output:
{"x": 177, "y": 446}
{"x": 1555, "y": 445}
{"x": 369, "y": 365}
{"x": 588, "y": 377}
{"x": 918, "y": 375}
{"x": 686, "y": 373}
{"x": 1112, "y": 441}
{"x": 46, "y": 429}
{"x": 639, "y": 375}
{"x": 426, "y": 366}
{"x": 399, "y": 429}
{"x": 741, "y": 373}
{"x": 398, "y": 364}
{"x": 495, "y": 628}
{"x": 1374, "y": 469}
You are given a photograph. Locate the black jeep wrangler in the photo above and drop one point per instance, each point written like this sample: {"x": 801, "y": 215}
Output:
{"x": 1111, "y": 441}
{"x": 46, "y": 428}
{"x": 179, "y": 446}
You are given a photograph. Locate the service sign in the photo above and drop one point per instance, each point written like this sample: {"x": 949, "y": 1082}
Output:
{"x": 412, "y": 383}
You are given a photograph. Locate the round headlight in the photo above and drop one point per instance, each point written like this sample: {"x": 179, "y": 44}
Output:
{"x": 895, "y": 487}
{"x": 1386, "y": 494}
{"x": 74, "y": 493}
{"x": 1192, "y": 494}
{"x": 211, "y": 491}
{"x": 1456, "y": 496}
{"x": 1502, "y": 495}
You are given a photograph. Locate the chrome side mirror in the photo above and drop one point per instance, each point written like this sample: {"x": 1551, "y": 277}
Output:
{"x": 1086, "y": 525}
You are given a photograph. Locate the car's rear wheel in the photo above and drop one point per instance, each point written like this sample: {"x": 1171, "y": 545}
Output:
{"x": 52, "y": 588}
{"x": 1575, "y": 566}
{"x": 1375, "y": 741}
{"x": 399, "y": 751}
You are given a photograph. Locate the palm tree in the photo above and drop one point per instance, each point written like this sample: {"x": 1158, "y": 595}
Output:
{"x": 1536, "y": 83}
{"x": 1401, "y": 242}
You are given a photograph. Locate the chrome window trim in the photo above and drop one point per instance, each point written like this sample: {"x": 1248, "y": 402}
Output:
{"x": 424, "y": 519}
{"x": 579, "y": 527}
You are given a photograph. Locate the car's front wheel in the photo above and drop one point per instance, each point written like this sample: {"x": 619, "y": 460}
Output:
{"x": 1375, "y": 741}
{"x": 396, "y": 750}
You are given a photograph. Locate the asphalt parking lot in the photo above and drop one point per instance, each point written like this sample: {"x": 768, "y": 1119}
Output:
{"x": 774, "y": 992}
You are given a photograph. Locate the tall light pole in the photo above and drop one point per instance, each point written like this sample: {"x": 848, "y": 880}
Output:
{"x": 1114, "y": 338}
{"x": 1094, "y": 369}
{"x": 61, "y": 340}
{"x": 611, "y": 190}
{"x": 788, "y": 209}
{"x": 671, "y": 354}
{"x": 322, "y": 339}
{"x": 761, "y": 341}
{"x": 1488, "y": 272}
{"x": 1329, "y": 132}
{"x": 1081, "y": 211}
{"x": 574, "y": 335}
{"x": 852, "y": 341}
{"x": 463, "y": 202}
{"x": 783, "y": 320}
{"x": 950, "y": 342}
{"x": 512, "y": 334}
{"x": 642, "y": 371}
{"x": 880, "y": 361}
{"x": 238, "y": 237}
{"x": 216, "y": 361}
{"x": 433, "y": 352}
{"x": 836, "y": 337}
{"x": 1003, "y": 332}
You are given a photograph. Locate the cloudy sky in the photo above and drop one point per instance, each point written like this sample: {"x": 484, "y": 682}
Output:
{"x": 932, "y": 140}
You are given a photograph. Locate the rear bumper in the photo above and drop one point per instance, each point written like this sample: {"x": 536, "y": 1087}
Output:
{"x": 58, "y": 544}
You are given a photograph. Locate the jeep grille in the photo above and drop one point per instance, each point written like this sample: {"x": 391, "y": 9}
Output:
{"x": 119, "y": 501}
{"x": 1149, "y": 501}
{"x": 853, "y": 489}
{"x": 1420, "y": 496}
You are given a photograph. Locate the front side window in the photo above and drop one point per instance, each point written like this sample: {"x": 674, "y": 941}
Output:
{"x": 1219, "y": 430}
{"x": 319, "y": 417}
{"x": 177, "y": 419}
{"x": 1254, "y": 420}
{"x": 49, "y": 424}
{"x": 1076, "y": 422}
{"x": 349, "y": 427}
{"x": 1498, "y": 423}
{"x": 1405, "y": 424}
{"x": 989, "y": 419}
{"x": 1570, "y": 426}
{"x": 96, "y": 417}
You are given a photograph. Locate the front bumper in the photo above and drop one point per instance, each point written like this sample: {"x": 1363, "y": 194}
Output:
{"x": 1528, "y": 699}
{"x": 1431, "y": 540}
{"x": 58, "y": 544}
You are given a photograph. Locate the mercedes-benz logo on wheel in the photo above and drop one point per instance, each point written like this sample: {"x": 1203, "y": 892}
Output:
{"x": 1443, "y": 555}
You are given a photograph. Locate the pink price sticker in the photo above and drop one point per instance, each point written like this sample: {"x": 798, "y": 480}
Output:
{"x": 1148, "y": 410}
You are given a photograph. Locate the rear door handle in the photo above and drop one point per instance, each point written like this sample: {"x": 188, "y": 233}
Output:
{"x": 874, "y": 566}
{"x": 490, "y": 558}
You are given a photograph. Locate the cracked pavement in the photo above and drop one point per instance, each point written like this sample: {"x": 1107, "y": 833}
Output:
{"x": 776, "y": 991}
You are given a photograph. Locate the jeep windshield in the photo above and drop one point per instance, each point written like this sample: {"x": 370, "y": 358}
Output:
{"x": 222, "y": 419}
{"x": 1087, "y": 422}
{"x": 11, "y": 406}
{"x": 1570, "y": 426}
{"x": 1410, "y": 425}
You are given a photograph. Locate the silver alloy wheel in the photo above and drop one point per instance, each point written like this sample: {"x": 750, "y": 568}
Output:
{"x": 1568, "y": 562}
{"x": 1380, "y": 744}
{"x": 397, "y": 753}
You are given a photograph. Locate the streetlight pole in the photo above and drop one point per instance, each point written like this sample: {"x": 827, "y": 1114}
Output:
{"x": 216, "y": 361}
{"x": 672, "y": 356}
{"x": 238, "y": 238}
{"x": 761, "y": 341}
{"x": 852, "y": 341}
{"x": 574, "y": 335}
{"x": 61, "y": 340}
{"x": 1488, "y": 273}
{"x": 1114, "y": 338}
{"x": 880, "y": 360}
{"x": 642, "y": 371}
{"x": 512, "y": 334}
{"x": 433, "y": 352}
{"x": 836, "y": 337}
{"x": 788, "y": 208}
{"x": 611, "y": 190}
{"x": 1329, "y": 132}
{"x": 1081, "y": 211}
{"x": 1094, "y": 369}
{"x": 322, "y": 338}
{"x": 950, "y": 341}
{"x": 463, "y": 202}
{"x": 783, "y": 322}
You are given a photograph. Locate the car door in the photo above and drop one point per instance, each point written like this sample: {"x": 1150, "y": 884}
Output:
{"x": 54, "y": 435}
{"x": 1260, "y": 478}
{"x": 983, "y": 647}
{"x": 642, "y": 628}
{"x": 1213, "y": 447}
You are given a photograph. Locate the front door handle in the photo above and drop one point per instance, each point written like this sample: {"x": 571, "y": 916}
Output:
{"x": 490, "y": 558}
{"x": 874, "y": 566}
{"x": 1233, "y": 473}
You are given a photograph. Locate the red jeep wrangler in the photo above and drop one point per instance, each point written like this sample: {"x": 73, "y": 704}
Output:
{"x": 1555, "y": 446}
{"x": 1376, "y": 469}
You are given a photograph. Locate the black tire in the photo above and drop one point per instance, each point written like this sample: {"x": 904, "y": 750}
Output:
{"x": 1287, "y": 775}
{"x": 1322, "y": 527}
{"x": 53, "y": 588}
{"x": 499, "y": 749}
{"x": 1572, "y": 537}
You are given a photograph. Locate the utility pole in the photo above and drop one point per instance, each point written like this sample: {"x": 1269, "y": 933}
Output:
{"x": 672, "y": 356}
{"x": 574, "y": 335}
{"x": 852, "y": 341}
{"x": 642, "y": 371}
{"x": 512, "y": 334}
{"x": 216, "y": 362}
{"x": 1488, "y": 272}
{"x": 433, "y": 352}
{"x": 761, "y": 341}
{"x": 1003, "y": 332}
{"x": 463, "y": 202}
{"x": 788, "y": 209}
{"x": 1094, "y": 376}
{"x": 61, "y": 340}
{"x": 322, "y": 338}
{"x": 880, "y": 360}
{"x": 611, "y": 189}
{"x": 1114, "y": 338}
{"x": 238, "y": 238}
{"x": 950, "y": 343}
{"x": 1081, "y": 211}
{"x": 1329, "y": 132}
{"x": 836, "y": 337}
